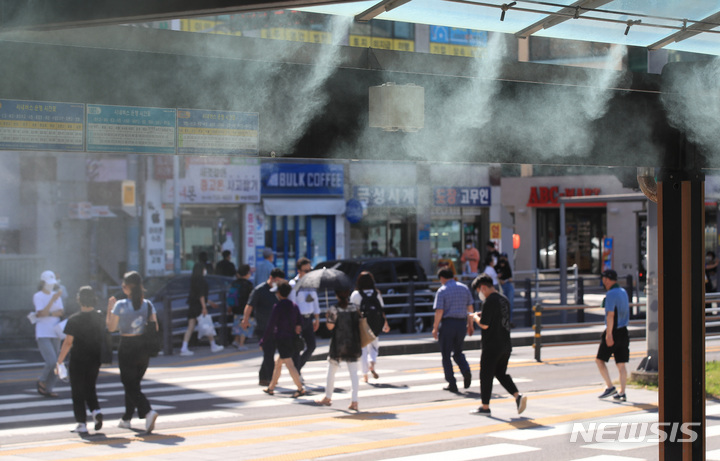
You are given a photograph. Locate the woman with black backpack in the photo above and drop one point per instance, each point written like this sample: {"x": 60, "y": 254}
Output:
{"x": 367, "y": 296}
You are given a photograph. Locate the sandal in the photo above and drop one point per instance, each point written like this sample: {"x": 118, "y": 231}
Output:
{"x": 375, "y": 375}
{"x": 353, "y": 406}
{"x": 299, "y": 393}
{"x": 269, "y": 391}
{"x": 325, "y": 401}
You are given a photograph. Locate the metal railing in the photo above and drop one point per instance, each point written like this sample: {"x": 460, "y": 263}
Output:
{"x": 710, "y": 321}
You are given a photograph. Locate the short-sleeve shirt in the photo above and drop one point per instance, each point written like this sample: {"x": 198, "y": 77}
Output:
{"x": 453, "y": 298}
{"x": 306, "y": 299}
{"x": 496, "y": 315}
{"x": 86, "y": 328}
{"x": 616, "y": 300}
{"x": 262, "y": 301}
{"x": 45, "y": 326}
{"x": 132, "y": 322}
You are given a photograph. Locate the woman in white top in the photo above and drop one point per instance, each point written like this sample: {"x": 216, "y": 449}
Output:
{"x": 48, "y": 310}
{"x": 367, "y": 296}
{"x": 490, "y": 270}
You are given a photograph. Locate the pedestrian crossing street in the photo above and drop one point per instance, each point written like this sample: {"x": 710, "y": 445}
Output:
{"x": 228, "y": 394}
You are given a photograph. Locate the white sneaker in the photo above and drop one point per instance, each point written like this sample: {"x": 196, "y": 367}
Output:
{"x": 80, "y": 429}
{"x": 216, "y": 347}
{"x": 97, "y": 419}
{"x": 186, "y": 352}
{"x": 124, "y": 424}
{"x": 150, "y": 421}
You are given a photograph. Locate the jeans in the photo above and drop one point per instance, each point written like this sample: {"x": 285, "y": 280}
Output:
{"x": 133, "y": 361}
{"x": 308, "y": 334}
{"x": 49, "y": 349}
{"x": 333, "y": 365}
{"x": 509, "y": 292}
{"x": 370, "y": 354}
{"x": 83, "y": 379}
{"x": 452, "y": 334}
{"x": 268, "y": 364}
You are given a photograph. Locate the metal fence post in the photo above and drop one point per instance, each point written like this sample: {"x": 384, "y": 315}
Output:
{"x": 167, "y": 326}
{"x": 629, "y": 289}
{"x": 537, "y": 343}
{"x": 528, "y": 302}
{"x": 223, "y": 319}
{"x": 580, "y": 299}
{"x": 411, "y": 317}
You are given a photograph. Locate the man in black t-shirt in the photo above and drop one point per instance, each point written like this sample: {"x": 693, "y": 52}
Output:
{"x": 261, "y": 302}
{"x": 496, "y": 347}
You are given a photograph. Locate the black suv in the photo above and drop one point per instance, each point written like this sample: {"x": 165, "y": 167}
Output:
{"x": 393, "y": 277}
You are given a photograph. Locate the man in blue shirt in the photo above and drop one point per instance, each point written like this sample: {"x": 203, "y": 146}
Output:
{"x": 453, "y": 306}
{"x": 615, "y": 340}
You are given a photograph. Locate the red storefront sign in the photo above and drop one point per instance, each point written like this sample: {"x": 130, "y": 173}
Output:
{"x": 549, "y": 196}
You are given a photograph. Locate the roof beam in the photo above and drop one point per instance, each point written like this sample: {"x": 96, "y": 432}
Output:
{"x": 569, "y": 12}
{"x": 703, "y": 25}
{"x": 378, "y": 9}
{"x": 64, "y": 14}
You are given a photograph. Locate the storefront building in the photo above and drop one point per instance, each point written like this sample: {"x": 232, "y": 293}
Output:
{"x": 302, "y": 213}
{"x": 599, "y": 234}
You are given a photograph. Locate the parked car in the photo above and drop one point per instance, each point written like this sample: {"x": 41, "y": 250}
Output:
{"x": 395, "y": 270}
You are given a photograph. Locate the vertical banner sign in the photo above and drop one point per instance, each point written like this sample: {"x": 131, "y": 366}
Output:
{"x": 249, "y": 242}
{"x": 37, "y": 125}
{"x": 496, "y": 235}
{"x": 154, "y": 231}
{"x": 216, "y": 132}
{"x": 607, "y": 253}
{"x": 140, "y": 130}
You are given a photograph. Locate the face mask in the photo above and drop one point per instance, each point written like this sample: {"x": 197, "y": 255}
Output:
{"x": 708, "y": 259}
{"x": 204, "y": 272}
{"x": 468, "y": 245}
{"x": 482, "y": 296}
{"x": 49, "y": 287}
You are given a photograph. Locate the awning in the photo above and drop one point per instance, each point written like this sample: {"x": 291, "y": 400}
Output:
{"x": 303, "y": 207}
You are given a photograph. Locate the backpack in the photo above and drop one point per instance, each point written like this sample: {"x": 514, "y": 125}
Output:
{"x": 237, "y": 296}
{"x": 372, "y": 310}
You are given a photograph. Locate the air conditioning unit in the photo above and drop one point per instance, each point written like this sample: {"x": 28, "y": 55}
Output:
{"x": 397, "y": 107}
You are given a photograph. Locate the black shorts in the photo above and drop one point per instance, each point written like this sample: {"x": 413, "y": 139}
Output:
{"x": 620, "y": 349}
{"x": 286, "y": 348}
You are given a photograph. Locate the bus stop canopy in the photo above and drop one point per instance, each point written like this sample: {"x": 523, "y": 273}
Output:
{"x": 670, "y": 24}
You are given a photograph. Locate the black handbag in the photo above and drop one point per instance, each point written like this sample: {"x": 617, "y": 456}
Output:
{"x": 151, "y": 335}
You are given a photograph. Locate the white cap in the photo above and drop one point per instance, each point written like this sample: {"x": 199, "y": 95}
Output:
{"x": 49, "y": 278}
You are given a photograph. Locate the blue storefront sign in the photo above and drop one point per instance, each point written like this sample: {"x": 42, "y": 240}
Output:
{"x": 354, "y": 211}
{"x": 39, "y": 125}
{"x": 140, "y": 130}
{"x": 461, "y": 196}
{"x": 301, "y": 179}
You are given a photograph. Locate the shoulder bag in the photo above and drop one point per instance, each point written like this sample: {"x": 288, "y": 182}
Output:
{"x": 151, "y": 335}
{"x": 366, "y": 334}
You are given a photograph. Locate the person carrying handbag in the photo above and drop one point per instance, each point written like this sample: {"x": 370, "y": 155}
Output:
{"x": 130, "y": 316}
{"x": 367, "y": 296}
